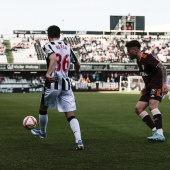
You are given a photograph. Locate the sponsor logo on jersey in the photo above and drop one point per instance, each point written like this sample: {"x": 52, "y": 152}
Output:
{"x": 159, "y": 92}
{"x": 153, "y": 91}
{"x": 144, "y": 56}
{"x": 143, "y": 74}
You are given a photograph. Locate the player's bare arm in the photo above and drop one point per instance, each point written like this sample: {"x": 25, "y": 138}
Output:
{"x": 164, "y": 76}
{"x": 51, "y": 68}
{"x": 77, "y": 67}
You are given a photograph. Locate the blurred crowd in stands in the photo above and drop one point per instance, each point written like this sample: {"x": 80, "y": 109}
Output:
{"x": 98, "y": 49}
{"x": 109, "y": 77}
{"x": 104, "y": 49}
{"x": 2, "y": 46}
{"x": 21, "y": 43}
{"x": 37, "y": 81}
{"x": 111, "y": 51}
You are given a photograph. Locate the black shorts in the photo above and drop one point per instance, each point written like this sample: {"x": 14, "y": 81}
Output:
{"x": 154, "y": 93}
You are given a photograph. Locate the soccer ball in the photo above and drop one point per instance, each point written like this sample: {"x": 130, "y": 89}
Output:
{"x": 29, "y": 122}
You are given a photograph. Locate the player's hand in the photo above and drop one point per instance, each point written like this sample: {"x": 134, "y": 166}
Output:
{"x": 51, "y": 79}
{"x": 77, "y": 71}
{"x": 143, "y": 91}
{"x": 164, "y": 88}
{"x": 77, "y": 68}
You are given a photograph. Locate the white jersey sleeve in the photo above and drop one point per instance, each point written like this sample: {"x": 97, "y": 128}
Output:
{"x": 47, "y": 50}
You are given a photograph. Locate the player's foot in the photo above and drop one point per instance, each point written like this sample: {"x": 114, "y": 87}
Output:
{"x": 79, "y": 145}
{"x": 156, "y": 137}
{"x": 38, "y": 133}
{"x": 154, "y": 132}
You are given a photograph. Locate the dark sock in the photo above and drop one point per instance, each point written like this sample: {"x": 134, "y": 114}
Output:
{"x": 158, "y": 121}
{"x": 148, "y": 121}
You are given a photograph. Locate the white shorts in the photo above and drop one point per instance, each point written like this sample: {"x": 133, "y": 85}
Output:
{"x": 64, "y": 100}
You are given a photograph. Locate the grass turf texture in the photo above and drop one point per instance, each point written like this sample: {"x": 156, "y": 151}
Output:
{"x": 114, "y": 137}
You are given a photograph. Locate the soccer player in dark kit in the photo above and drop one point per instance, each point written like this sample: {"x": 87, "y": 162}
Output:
{"x": 154, "y": 76}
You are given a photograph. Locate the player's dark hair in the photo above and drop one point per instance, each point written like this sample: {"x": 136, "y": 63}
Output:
{"x": 53, "y": 31}
{"x": 133, "y": 43}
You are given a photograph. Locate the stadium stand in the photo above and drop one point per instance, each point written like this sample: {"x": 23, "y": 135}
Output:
{"x": 38, "y": 50}
{"x": 113, "y": 50}
{"x": 90, "y": 49}
{"x": 3, "y": 59}
{"x": 24, "y": 52}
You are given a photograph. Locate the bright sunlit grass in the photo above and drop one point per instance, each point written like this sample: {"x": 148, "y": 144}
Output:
{"x": 114, "y": 137}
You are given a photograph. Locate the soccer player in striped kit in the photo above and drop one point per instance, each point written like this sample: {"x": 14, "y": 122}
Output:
{"x": 154, "y": 76}
{"x": 57, "y": 90}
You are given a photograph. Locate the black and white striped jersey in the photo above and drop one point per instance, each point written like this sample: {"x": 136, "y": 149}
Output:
{"x": 64, "y": 56}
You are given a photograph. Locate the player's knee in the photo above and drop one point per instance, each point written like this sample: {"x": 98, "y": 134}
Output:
{"x": 151, "y": 107}
{"x": 153, "y": 104}
{"x": 138, "y": 110}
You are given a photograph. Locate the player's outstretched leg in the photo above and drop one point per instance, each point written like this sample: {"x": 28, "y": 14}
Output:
{"x": 43, "y": 120}
{"x": 79, "y": 145}
{"x": 75, "y": 127}
{"x": 156, "y": 137}
{"x": 38, "y": 133}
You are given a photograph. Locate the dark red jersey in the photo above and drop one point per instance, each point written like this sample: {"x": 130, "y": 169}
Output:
{"x": 148, "y": 70}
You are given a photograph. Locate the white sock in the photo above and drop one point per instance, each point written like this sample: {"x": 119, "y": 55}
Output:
{"x": 75, "y": 127}
{"x": 43, "y": 120}
{"x": 154, "y": 129}
{"x": 160, "y": 131}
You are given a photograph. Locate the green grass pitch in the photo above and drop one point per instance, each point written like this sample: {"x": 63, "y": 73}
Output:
{"x": 114, "y": 137}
